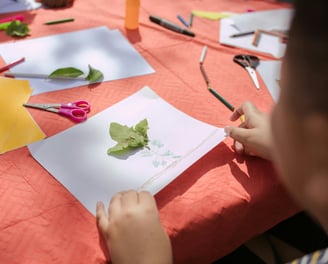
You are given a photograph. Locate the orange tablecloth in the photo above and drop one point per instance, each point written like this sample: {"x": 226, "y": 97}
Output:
{"x": 210, "y": 209}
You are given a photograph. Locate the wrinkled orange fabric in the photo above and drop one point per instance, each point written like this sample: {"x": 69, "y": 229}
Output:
{"x": 212, "y": 208}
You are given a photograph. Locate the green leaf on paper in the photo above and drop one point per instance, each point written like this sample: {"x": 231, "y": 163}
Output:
{"x": 4, "y": 26}
{"x": 17, "y": 29}
{"x": 94, "y": 75}
{"x": 71, "y": 72}
{"x": 66, "y": 72}
{"x": 128, "y": 137}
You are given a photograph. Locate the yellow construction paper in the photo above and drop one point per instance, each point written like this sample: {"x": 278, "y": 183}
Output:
{"x": 17, "y": 127}
{"x": 211, "y": 15}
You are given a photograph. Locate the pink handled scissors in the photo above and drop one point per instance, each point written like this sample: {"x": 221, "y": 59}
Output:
{"x": 76, "y": 111}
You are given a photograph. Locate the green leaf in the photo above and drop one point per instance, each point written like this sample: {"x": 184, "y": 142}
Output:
{"x": 142, "y": 127}
{"x": 128, "y": 137}
{"x": 118, "y": 132}
{"x": 94, "y": 75}
{"x": 66, "y": 72}
{"x": 17, "y": 29}
{"x": 70, "y": 72}
{"x": 4, "y": 26}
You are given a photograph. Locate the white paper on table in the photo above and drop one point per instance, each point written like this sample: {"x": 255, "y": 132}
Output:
{"x": 277, "y": 19}
{"x": 7, "y": 6}
{"x": 78, "y": 156}
{"x": 270, "y": 73}
{"x": 106, "y": 50}
{"x": 271, "y": 45}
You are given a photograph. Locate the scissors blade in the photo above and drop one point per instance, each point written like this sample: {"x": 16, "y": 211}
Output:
{"x": 252, "y": 73}
{"x": 46, "y": 107}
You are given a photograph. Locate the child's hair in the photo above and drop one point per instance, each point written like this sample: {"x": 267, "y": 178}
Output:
{"x": 57, "y": 3}
{"x": 307, "y": 57}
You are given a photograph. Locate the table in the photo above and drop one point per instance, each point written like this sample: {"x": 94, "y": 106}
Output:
{"x": 209, "y": 210}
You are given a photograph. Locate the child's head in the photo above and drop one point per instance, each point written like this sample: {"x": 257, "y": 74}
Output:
{"x": 300, "y": 118}
{"x": 56, "y": 3}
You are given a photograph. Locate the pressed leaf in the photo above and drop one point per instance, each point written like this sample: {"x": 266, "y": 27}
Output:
{"x": 118, "y": 148}
{"x": 17, "y": 29}
{"x": 4, "y": 26}
{"x": 66, "y": 72}
{"x": 94, "y": 75}
{"x": 142, "y": 127}
{"x": 128, "y": 137}
{"x": 119, "y": 132}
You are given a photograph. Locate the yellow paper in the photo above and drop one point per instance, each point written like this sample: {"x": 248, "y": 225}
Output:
{"x": 17, "y": 127}
{"x": 211, "y": 15}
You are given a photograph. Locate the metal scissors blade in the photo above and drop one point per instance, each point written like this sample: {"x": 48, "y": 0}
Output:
{"x": 249, "y": 63}
{"x": 46, "y": 107}
{"x": 252, "y": 73}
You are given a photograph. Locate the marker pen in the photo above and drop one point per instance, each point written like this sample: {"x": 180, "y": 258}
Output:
{"x": 171, "y": 26}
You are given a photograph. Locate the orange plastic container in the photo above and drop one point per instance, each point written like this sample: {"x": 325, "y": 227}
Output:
{"x": 132, "y": 8}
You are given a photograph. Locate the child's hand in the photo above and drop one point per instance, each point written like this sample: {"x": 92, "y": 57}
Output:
{"x": 132, "y": 229}
{"x": 253, "y": 137}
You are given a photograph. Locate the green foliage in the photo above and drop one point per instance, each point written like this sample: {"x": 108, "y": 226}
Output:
{"x": 15, "y": 28}
{"x": 94, "y": 75}
{"x": 128, "y": 137}
{"x": 4, "y": 26}
{"x": 71, "y": 72}
{"x": 66, "y": 72}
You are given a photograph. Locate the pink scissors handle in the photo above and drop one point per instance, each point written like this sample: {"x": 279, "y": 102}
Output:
{"x": 83, "y": 105}
{"x": 75, "y": 114}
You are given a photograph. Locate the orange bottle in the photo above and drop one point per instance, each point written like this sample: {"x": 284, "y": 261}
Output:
{"x": 132, "y": 14}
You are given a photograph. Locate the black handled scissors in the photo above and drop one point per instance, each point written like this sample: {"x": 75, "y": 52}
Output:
{"x": 249, "y": 63}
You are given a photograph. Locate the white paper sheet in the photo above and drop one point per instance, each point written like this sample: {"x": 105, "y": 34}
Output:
{"x": 278, "y": 19}
{"x": 78, "y": 156}
{"x": 106, "y": 50}
{"x": 265, "y": 20}
{"x": 270, "y": 73}
{"x": 7, "y": 6}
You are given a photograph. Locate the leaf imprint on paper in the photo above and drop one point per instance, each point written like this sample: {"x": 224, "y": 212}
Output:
{"x": 161, "y": 156}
